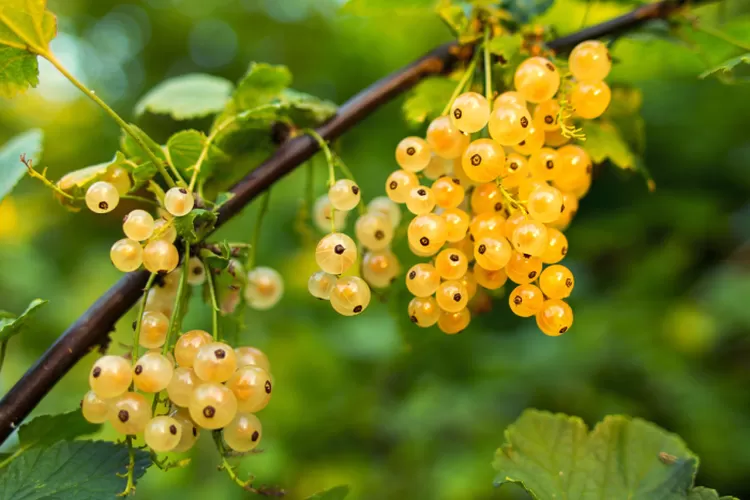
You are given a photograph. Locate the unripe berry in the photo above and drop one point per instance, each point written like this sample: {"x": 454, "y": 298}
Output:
{"x": 178, "y": 201}
{"x": 119, "y": 178}
{"x": 102, "y": 197}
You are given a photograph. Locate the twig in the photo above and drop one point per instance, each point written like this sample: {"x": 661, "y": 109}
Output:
{"x": 262, "y": 211}
{"x": 214, "y": 303}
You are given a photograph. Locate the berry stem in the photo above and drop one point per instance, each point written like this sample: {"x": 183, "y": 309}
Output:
{"x": 175, "y": 322}
{"x": 43, "y": 177}
{"x": 331, "y": 166}
{"x": 462, "y": 83}
{"x": 511, "y": 199}
{"x": 214, "y": 302}
{"x": 173, "y": 169}
{"x": 487, "y": 66}
{"x": 112, "y": 113}
{"x": 306, "y": 206}
{"x": 139, "y": 198}
{"x": 139, "y": 321}
{"x": 262, "y": 211}
{"x": 130, "y": 485}
{"x": 246, "y": 485}
{"x": 3, "y": 347}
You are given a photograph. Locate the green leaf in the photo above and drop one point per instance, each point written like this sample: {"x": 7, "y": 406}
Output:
{"x": 624, "y": 112}
{"x": 18, "y": 71}
{"x": 506, "y": 46}
{"x": 222, "y": 198}
{"x": 701, "y": 493}
{"x": 456, "y": 18}
{"x": 11, "y": 168}
{"x": 427, "y": 100}
{"x": 336, "y": 493}
{"x": 45, "y": 430}
{"x": 134, "y": 151}
{"x": 735, "y": 70}
{"x": 305, "y": 110}
{"x": 27, "y": 25}
{"x": 262, "y": 83}
{"x": 84, "y": 470}
{"x": 604, "y": 142}
{"x": 10, "y": 325}
{"x": 526, "y": 10}
{"x": 185, "y": 148}
{"x": 187, "y": 96}
{"x": 194, "y": 226}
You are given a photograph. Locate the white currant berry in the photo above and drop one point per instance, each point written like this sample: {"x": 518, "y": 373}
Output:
{"x": 344, "y": 195}
{"x": 243, "y": 433}
{"x": 336, "y": 253}
{"x": 164, "y": 230}
{"x": 320, "y": 285}
{"x": 190, "y": 432}
{"x": 212, "y": 406}
{"x": 126, "y": 255}
{"x": 184, "y": 380}
{"x": 120, "y": 179}
{"x": 384, "y": 205}
{"x": 215, "y": 362}
{"x": 322, "y": 210}
{"x": 178, "y": 201}
{"x": 252, "y": 387}
{"x": 138, "y": 225}
{"x": 152, "y": 372}
{"x": 251, "y": 356}
{"x": 94, "y": 408}
{"x": 264, "y": 289}
{"x": 130, "y": 413}
{"x": 102, "y": 197}
{"x": 163, "y": 433}
{"x": 110, "y": 376}
{"x": 160, "y": 256}
{"x": 196, "y": 272}
{"x": 187, "y": 346}
{"x": 154, "y": 327}
{"x": 373, "y": 231}
{"x": 350, "y": 296}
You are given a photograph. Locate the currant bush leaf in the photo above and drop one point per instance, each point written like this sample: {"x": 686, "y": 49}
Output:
{"x": 336, "y": 493}
{"x": 27, "y": 25}
{"x": 262, "y": 83}
{"x": 185, "y": 149}
{"x": 11, "y": 168}
{"x": 84, "y": 470}
{"x": 604, "y": 142}
{"x": 18, "y": 71}
{"x": 11, "y": 325}
{"x": 305, "y": 110}
{"x": 735, "y": 70}
{"x": 526, "y": 10}
{"x": 194, "y": 226}
{"x": 187, "y": 96}
{"x": 506, "y": 46}
{"x": 701, "y": 493}
{"x": 134, "y": 151}
{"x": 45, "y": 430}
{"x": 427, "y": 100}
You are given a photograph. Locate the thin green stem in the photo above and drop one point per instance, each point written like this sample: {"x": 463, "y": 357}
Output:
{"x": 710, "y": 30}
{"x": 214, "y": 302}
{"x": 43, "y": 177}
{"x": 487, "y": 66}
{"x": 331, "y": 166}
{"x": 130, "y": 485}
{"x": 117, "y": 118}
{"x": 262, "y": 211}
{"x": 139, "y": 320}
{"x": 179, "y": 302}
{"x": 462, "y": 83}
{"x": 139, "y": 198}
{"x": 246, "y": 485}
{"x": 12, "y": 457}
{"x": 173, "y": 169}
{"x": 3, "y": 348}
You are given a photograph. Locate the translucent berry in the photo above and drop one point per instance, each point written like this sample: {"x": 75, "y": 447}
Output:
{"x": 344, "y": 195}
{"x": 556, "y": 282}
{"x": 530, "y": 238}
{"x": 427, "y": 233}
{"x": 513, "y": 222}
{"x": 489, "y": 279}
{"x": 160, "y": 300}
{"x": 557, "y": 247}
{"x": 521, "y": 269}
{"x": 154, "y": 326}
{"x": 492, "y": 252}
{"x": 545, "y": 204}
{"x": 160, "y": 256}
{"x": 516, "y": 170}
{"x": 243, "y": 433}
{"x": 486, "y": 198}
{"x": 187, "y": 346}
{"x": 189, "y": 434}
{"x": 423, "y": 311}
{"x": 212, "y": 406}
{"x": 457, "y": 224}
{"x": 413, "y": 154}
{"x": 252, "y": 356}
{"x": 509, "y": 97}
{"x": 374, "y": 231}
{"x": 445, "y": 139}
{"x": 570, "y": 208}
{"x": 422, "y": 280}
{"x": 110, "y": 376}
{"x": 448, "y": 192}
{"x": 164, "y": 230}
{"x": 380, "y": 268}
{"x": 252, "y": 387}
{"x": 178, "y": 201}
{"x": 452, "y": 296}
{"x": 590, "y": 61}
{"x": 459, "y": 176}
{"x": 546, "y": 115}
{"x": 470, "y": 283}
{"x": 350, "y": 296}
{"x": 537, "y": 79}
{"x": 470, "y": 112}
{"x": 437, "y": 167}
{"x": 487, "y": 224}
{"x": 264, "y": 289}
{"x": 322, "y": 213}
{"x": 119, "y": 178}
{"x": 525, "y": 300}
{"x": 455, "y": 322}
{"x": 590, "y": 99}
{"x": 451, "y": 264}
{"x": 399, "y": 184}
{"x": 102, "y": 197}
{"x": 215, "y": 362}
{"x": 94, "y": 408}
{"x": 574, "y": 164}
{"x": 180, "y": 388}
{"x": 138, "y": 225}
{"x": 336, "y": 253}
{"x": 533, "y": 141}
{"x": 196, "y": 272}
{"x": 483, "y": 160}
{"x": 555, "y": 317}
{"x": 420, "y": 201}
{"x": 152, "y": 372}
{"x": 544, "y": 164}
{"x": 509, "y": 124}
{"x": 126, "y": 255}
{"x": 555, "y": 138}
{"x": 384, "y": 206}
{"x": 528, "y": 186}
{"x": 320, "y": 285}
{"x": 130, "y": 413}
{"x": 162, "y": 434}
{"x": 466, "y": 245}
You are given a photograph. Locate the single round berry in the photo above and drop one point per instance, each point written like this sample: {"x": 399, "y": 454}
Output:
{"x": 160, "y": 300}
{"x": 490, "y": 279}
{"x": 452, "y": 296}
{"x": 455, "y": 322}
{"x": 420, "y": 201}
{"x": 189, "y": 431}
{"x": 445, "y": 139}
{"x": 336, "y": 253}
{"x": 537, "y": 79}
{"x": 94, "y": 408}
{"x": 448, "y": 192}
{"x": 163, "y": 434}
{"x": 152, "y": 372}
{"x": 545, "y": 204}
{"x": 187, "y": 346}
{"x": 384, "y": 206}
{"x": 451, "y": 264}
{"x": 492, "y": 252}
{"x": 413, "y": 154}
{"x": 423, "y": 311}
{"x": 574, "y": 164}
{"x": 178, "y": 201}
{"x": 350, "y": 296}
{"x": 110, "y": 376}
{"x": 470, "y": 112}
{"x": 126, "y": 255}
{"x": 590, "y": 99}
{"x": 522, "y": 269}
{"x": 486, "y": 198}
{"x": 437, "y": 167}
{"x": 344, "y": 195}
{"x": 252, "y": 387}
{"x": 130, "y": 413}
{"x": 164, "y": 230}
{"x": 530, "y": 238}
{"x": 528, "y": 186}
{"x": 243, "y": 433}
{"x": 509, "y": 97}
{"x": 510, "y": 124}
{"x": 427, "y": 233}
{"x": 154, "y": 326}
{"x": 196, "y": 272}
{"x": 590, "y": 61}
{"x": 513, "y": 222}
{"x": 380, "y": 268}
{"x": 422, "y": 280}
{"x": 212, "y": 406}
{"x": 102, "y": 197}
{"x": 487, "y": 224}
{"x": 526, "y": 300}
{"x": 546, "y": 115}
{"x": 557, "y": 247}
{"x": 399, "y": 184}
{"x": 544, "y": 164}
{"x": 516, "y": 170}
{"x": 323, "y": 211}
{"x": 556, "y": 282}
{"x": 215, "y": 362}
{"x": 119, "y": 178}
{"x": 264, "y": 288}
{"x": 138, "y": 225}
{"x": 555, "y": 317}
{"x": 483, "y": 160}
{"x": 160, "y": 256}
{"x": 320, "y": 285}
{"x": 457, "y": 224}
{"x": 252, "y": 356}
{"x": 533, "y": 141}
{"x": 181, "y": 386}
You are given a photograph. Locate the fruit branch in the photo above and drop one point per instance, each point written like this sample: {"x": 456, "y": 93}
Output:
{"x": 94, "y": 325}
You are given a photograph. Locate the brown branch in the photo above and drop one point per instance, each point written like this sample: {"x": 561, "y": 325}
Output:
{"x": 94, "y": 325}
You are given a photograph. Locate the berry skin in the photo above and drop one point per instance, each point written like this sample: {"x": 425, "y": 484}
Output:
{"x": 556, "y": 282}
{"x": 451, "y": 264}
{"x": 422, "y": 280}
{"x": 448, "y": 192}
{"x": 424, "y": 311}
{"x": 465, "y": 245}
{"x": 555, "y": 138}
{"x": 530, "y": 238}
{"x": 512, "y": 223}
{"x": 160, "y": 300}
{"x": 138, "y": 225}
{"x": 457, "y": 224}
{"x": 322, "y": 213}
{"x": 526, "y": 300}
{"x": 264, "y": 289}
{"x": 487, "y": 224}
{"x": 544, "y": 164}
{"x": 574, "y": 164}
{"x": 452, "y": 323}
{"x": 187, "y": 346}
{"x": 545, "y": 115}
{"x": 452, "y": 296}
{"x": 163, "y": 230}
{"x": 483, "y": 160}
{"x": 486, "y": 198}
{"x": 379, "y": 269}
{"x": 189, "y": 434}
{"x": 102, "y": 197}
{"x": 533, "y": 141}
{"x": 178, "y": 201}
{"x": 152, "y": 372}
{"x": 196, "y": 272}
{"x": 420, "y": 201}
{"x": 491, "y": 280}
{"x": 160, "y": 256}
{"x": 590, "y": 61}
{"x": 516, "y": 170}
{"x": 537, "y": 79}
{"x": 126, "y": 255}
{"x": 350, "y": 296}
{"x": 251, "y": 356}
{"x": 154, "y": 326}
{"x": 445, "y": 139}
{"x": 215, "y": 362}
{"x": 336, "y": 253}
{"x": 374, "y": 231}
{"x": 545, "y": 204}
{"x": 320, "y": 285}
{"x": 212, "y": 406}
{"x": 94, "y": 408}
{"x": 384, "y": 206}
{"x": 181, "y": 387}
{"x": 252, "y": 387}
{"x": 110, "y": 376}
{"x": 130, "y": 413}
{"x": 522, "y": 270}
{"x": 509, "y": 124}
{"x": 470, "y": 283}
{"x": 590, "y": 99}
{"x": 162, "y": 434}
{"x": 413, "y": 154}
{"x": 344, "y": 195}
{"x": 243, "y": 433}
{"x": 509, "y": 97}
{"x": 470, "y": 112}
{"x": 528, "y": 186}
{"x": 120, "y": 179}
{"x": 437, "y": 167}
{"x": 557, "y": 247}
{"x": 492, "y": 252}
{"x": 399, "y": 184}
{"x": 555, "y": 317}
{"x": 427, "y": 233}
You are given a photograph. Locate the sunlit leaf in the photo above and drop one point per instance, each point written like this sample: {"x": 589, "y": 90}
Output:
{"x": 305, "y": 110}
{"x": 11, "y": 168}
{"x": 604, "y": 142}
{"x": 506, "y": 46}
{"x": 187, "y": 96}
{"x": 26, "y": 25}
{"x": 18, "y": 71}
{"x": 185, "y": 149}
{"x": 427, "y": 100}
{"x": 133, "y": 150}
{"x": 735, "y": 70}
{"x": 262, "y": 83}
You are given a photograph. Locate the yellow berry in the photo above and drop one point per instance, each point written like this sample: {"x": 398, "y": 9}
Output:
{"x": 546, "y": 115}
{"x": 490, "y": 279}
{"x": 555, "y": 138}
{"x": 374, "y": 231}
{"x": 336, "y": 253}
{"x": 509, "y": 124}
{"x": 399, "y": 184}
{"x": 533, "y": 141}
{"x": 556, "y": 282}
{"x": 451, "y": 264}
{"x": 102, "y": 197}
{"x": 264, "y": 289}
{"x": 323, "y": 211}
{"x": 130, "y": 413}
{"x": 422, "y": 280}
{"x": 413, "y": 154}
{"x": 557, "y": 246}
{"x": 384, "y": 206}
{"x": 590, "y": 99}
{"x": 320, "y": 285}
{"x": 428, "y": 233}
{"x": 526, "y": 300}
{"x": 437, "y": 167}
{"x": 545, "y": 204}
{"x": 487, "y": 224}
{"x": 521, "y": 269}
{"x": 451, "y": 296}
{"x": 243, "y": 433}
{"x": 138, "y": 225}
{"x": 126, "y": 255}
{"x": 110, "y": 376}
{"x": 178, "y": 201}
{"x": 470, "y": 283}
{"x": 119, "y": 178}
{"x": 445, "y": 139}
{"x": 215, "y": 362}
{"x": 350, "y": 296}
{"x": 509, "y": 97}
{"x": 544, "y": 164}
{"x": 516, "y": 170}
{"x": 492, "y": 252}
{"x": 530, "y": 238}
{"x": 152, "y": 372}
{"x": 448, "y": 192}
{"x": 457, "y": 224}
{"x": 212, "y": 406}
{"x": 574, "y": 164}
{"x": 555, "y": 317}
{"x": 424, "y": 311}
{"x": 164, "y": 230}
{"x": 537, "y": 79}
{"x": 344, "y": 195}
{"x": 590, "y": 60}
{"x": 483, "y": 160}
{"x": 456, "y": 322}
{"x": 252, "y": 387}
{"x": 196, "y": 272}
{"x": 180, "y": 388}
{"x": 420, "y": 201}
{"x": 162, "y": 434}
{"x": 187, "y": 346}
{"x": 486, "y": 198}
{"x": 470, "y": 112}
{"x": 251, "y": 356}
{"x": 160, "y": 256}
{"x": 379, "y": 269}
{"x": 189, "y": 431}
{"x": 94, "y": 408}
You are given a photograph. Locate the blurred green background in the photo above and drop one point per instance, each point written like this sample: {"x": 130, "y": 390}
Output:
{"x": 662, "y": 297}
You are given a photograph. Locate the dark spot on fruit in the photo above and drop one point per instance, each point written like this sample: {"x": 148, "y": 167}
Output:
{"x": 355, "y": 189}
{"x": 358, "y": 309}
{"x": 103, "y": 205}
{"x": 456, "y": 181}
{"x": 339, "y": 249}
{"x": 454, "y": 257}
{"x": 255, "y": 436}
{"x": 513, "y": 165}
{"x": 476, "y": 160}
{"x": 195, "y": 432}
{"x": 412, "y": 275}
{"x": 588, "y": 169}
{"x": 173, "y": 430}
{"x": 502, "y": 59}
{"x": 197, "y": 270}
{"x": 522, "y": 143}
{"x": 526, "y": 256}
{"x": 517, "y": 300}
{"x": 96, "y": 372}
{"x": 457, "y": 113}
{"x": 220, "y": 353}
{"x": 482, "y": 248}
{"x": 524, "y": 122}
{"x": 549, "y": 120}
{"x": 410, "y": 151}
{"x": 550, "y": 164}
{"x": 498, "y": 206}
{"x": 123, "y": 416}
{"x": 379, "y": 234}
{"x": 413, "y": 319}
{"x": 568, "y": 282}
{"x": 564, "y": 250}
{"x": 424, "y": 241}
{"x": 138, "y": 369}
{"x": 532, "y": 274}
{"x": 457, "y": 297}
{"x": 393, "y": 185}
{"x": 471, "y": 237}
{"x": 183, "y": 190}
{"x": 562, "y": 208}
{"x": 209, "y": 412}
{"x": 550, "y": 67}
{"x": 421, "y": 192}
{"x": 267, "y": 385}
{"x": 563, "y": 329}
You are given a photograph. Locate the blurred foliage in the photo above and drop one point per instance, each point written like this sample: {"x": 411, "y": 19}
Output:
{"x": 663, "y": 278}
